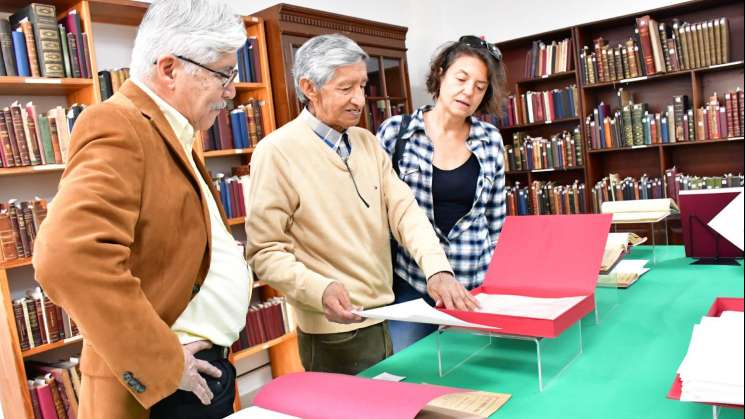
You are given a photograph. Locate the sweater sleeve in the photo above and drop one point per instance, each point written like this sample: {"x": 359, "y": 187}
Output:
{"x": 269, "y": 248}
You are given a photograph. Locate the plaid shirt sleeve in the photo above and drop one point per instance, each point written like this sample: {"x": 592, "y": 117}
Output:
{"x": 496, "y": 206}
{"x": 388, "y": 132}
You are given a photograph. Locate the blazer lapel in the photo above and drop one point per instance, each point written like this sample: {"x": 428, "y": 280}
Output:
{"x": 151, "y": 111}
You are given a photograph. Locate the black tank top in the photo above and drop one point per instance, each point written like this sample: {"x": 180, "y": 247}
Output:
{"x": 453, "y": 193}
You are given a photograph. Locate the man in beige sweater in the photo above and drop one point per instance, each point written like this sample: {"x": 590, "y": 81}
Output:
{"x": 324, "y": 200}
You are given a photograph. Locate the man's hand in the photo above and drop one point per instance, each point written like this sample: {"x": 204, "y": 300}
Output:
{"x": 190, "y": 379}
{"x": 448, "y": 292}
{"x": 336, "y": 305}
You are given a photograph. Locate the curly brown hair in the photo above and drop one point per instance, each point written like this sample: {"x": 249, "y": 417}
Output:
{"x": 447, "y": 54}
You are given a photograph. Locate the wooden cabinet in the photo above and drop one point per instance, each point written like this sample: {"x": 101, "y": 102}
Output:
{"x": 288, "y": 27}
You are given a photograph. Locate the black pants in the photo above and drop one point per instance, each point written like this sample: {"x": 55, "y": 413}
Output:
{"x": 185, "y": 405}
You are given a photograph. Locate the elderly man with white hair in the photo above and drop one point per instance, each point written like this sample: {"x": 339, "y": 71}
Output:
{"x": 136, "y": 247}
{"x": 324, "y": 201}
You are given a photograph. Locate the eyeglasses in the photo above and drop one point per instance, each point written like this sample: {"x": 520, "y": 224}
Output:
{"x": 227, "y": 78}
{"x": 476, "y": 42}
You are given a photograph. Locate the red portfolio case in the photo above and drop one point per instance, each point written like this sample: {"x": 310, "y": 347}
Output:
{"x": 547, "y": 256}
{"x": 720, "y": 305}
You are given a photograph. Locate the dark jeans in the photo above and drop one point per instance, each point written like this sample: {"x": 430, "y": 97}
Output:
{"x": 345, "y": 352}
{"x": 403, "y": 334}
{"x": 185, "y": 405}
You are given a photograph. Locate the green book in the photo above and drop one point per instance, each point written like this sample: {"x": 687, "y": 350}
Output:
{"x": 46, "y": 138}
{"x": 65, "y": 50}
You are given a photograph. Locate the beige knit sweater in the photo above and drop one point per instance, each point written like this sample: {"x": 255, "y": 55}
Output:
{"x": 307, "y": 227}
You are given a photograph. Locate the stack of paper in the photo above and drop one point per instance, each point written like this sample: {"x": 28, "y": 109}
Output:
{"x": 624, "y": 274}
{"x": 712, "y": 370}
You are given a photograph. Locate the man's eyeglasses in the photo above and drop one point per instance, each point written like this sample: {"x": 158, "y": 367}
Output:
{"x": 476, "y": 42}
{"x": 226, "y": 78}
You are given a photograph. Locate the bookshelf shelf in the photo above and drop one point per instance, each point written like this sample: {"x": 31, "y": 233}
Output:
{"x": 556, "y": 76}
{"x": 229, "y": 152}
{"x": 37, "y": 86}
{"x": 237, "y": 221}
{"x": 51, "y": 346}
{"x": 261, "y": 347}
{"x": 522, "y": 172}
{"x": 680, "y": 144}
{"x": 29, "y": 170}
{"x": 16, "y": 263}
{"x": 539, "y": 124}
{"x": 248, "y": 87}
{"x": 668, "y": 75}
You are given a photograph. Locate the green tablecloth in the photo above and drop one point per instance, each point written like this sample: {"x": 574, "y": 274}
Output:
{"x": 629, "y": 360}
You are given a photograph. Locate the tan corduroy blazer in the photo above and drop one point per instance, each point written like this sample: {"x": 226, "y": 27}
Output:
{"x": 126, "y": 239}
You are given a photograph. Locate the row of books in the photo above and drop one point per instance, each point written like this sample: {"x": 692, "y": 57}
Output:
{"x": 561, "y": 151}
{"x": 677, "y": 182}
{"x": 31, "y": 138}
{"x": 19, "y": 222}
{"x": 233, "y": 192}
{"x": 657, "y": 48}
{"x": 249, "y": 69}
{"x": 238, "y": 127}
{"x": 109, "y": 81}
{"x": 265, "y": 321}
{"x": 634, "y": 125}
{"x": 544, "y": 60}
{"x": 544, "y": 106}
{"x": 545, "y": 198}
{"x": 613, "y": 188}
{"x": 54, "y": 390}
{"x": 40, "y": 322}
{"x": 34, "y": 44}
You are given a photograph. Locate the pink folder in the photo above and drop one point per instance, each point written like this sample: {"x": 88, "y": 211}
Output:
{"x": 720, "y": 305}
{"x": 312, "y": 395}
{"x": 547, "y": 256}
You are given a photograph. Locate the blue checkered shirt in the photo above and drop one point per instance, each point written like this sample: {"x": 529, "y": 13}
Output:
{"x": 470, "y": 243}
{"x": 338, "y": 141}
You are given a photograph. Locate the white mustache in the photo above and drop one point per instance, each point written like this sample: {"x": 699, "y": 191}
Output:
{"x": 218, "y": 106}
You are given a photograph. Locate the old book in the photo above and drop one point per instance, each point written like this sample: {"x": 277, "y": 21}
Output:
{"x": 691, "y": 126}
{"x": 731, "y": 122}
{"x": 672, "y": 54}
{"x": 707, "y": 44}
{"x": 59, "y": 406}
{"x": 700, "y": 54}
{"x": 6, "y": 149}
{"x": 28, "y": 34}
{"x": 19, "y": 134}
{"x": 700, "y": 124}
{"x": 680, "y": 106}
{"x": 30, "y": 116}
{"x": 64, "y": 46}
{"x": 8, "y": 249}
{"x": 72, "y": 46}
{"x": 657, "y": 51}
{"x": 46, "y": 138}
{"x": 43, "y": 21}
{"x": 624, "y": 274}
{"x": 75, "y": 27}
{"x": 664, "y": 46}
{"x": 46, "y": 401}
{"x": 6, "y": 48}
{"x": 724, "y": 27}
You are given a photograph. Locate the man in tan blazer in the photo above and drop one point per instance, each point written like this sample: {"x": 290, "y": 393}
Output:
{"x": 135, "y": 247}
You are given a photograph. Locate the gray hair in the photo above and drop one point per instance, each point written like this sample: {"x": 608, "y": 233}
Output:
{"x": 319, "y": 57}
{"x": 201, "y": 30}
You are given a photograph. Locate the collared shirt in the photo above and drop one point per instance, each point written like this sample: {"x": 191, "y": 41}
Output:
{"x": 218, "y": 311}
{"x": 470, "y": 243}
{"x": 338, "y": 141}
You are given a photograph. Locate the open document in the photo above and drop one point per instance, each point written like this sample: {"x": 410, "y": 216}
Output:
{"x": 416, "y": 311}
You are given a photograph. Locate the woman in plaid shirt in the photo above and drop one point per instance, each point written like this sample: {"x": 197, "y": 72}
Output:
{"x": 453, "y": 163}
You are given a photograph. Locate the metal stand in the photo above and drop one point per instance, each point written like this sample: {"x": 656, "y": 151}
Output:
{"x": 715, "y": 410}
{"x": 716, "y": 260}
{"x": 538, "y": 341}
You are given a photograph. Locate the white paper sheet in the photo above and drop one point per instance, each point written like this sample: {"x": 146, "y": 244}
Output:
{"x": 416, "y": 311}
{"x": 729, "y": 222}
{"x": 384, "y": 376}
{"x": 712, "y": 370}
{"x": 256, "y": 412}
{"x": 531, "y": 307}
{"x": 630, "y": 266}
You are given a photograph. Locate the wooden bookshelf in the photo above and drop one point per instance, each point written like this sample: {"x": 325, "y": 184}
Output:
{"x": 27, "y": 170}
{"x": 16, "y": 403}
{"x": 228, "y": 152}
{"x": 526, "y": 127}
{"x": 51, "y": 346}
{"x": 245, "y": 353}
{"x": 569, "y": 75}
{"x": 702, "y": 158}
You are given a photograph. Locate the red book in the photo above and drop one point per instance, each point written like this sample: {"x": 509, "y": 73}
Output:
{"x": 46, "y": 402}
{"x": 722, "y": 122}
{"x": 642, "y": 24}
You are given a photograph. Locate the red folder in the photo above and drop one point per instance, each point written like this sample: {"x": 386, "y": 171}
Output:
{"x": 697, "y": 208}
{"x": 316, "y": 395}
{"x": 720, "y": 305}
{"x": 548, "y": 256}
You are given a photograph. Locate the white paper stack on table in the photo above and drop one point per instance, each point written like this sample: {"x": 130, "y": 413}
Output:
{"x": 712, "y": 370}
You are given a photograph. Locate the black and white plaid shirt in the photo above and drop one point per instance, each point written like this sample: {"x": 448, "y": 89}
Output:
{"x": 470, "y": 243}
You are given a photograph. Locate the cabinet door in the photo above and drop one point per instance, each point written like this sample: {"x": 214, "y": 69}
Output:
{"x": 290, "y": 45}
